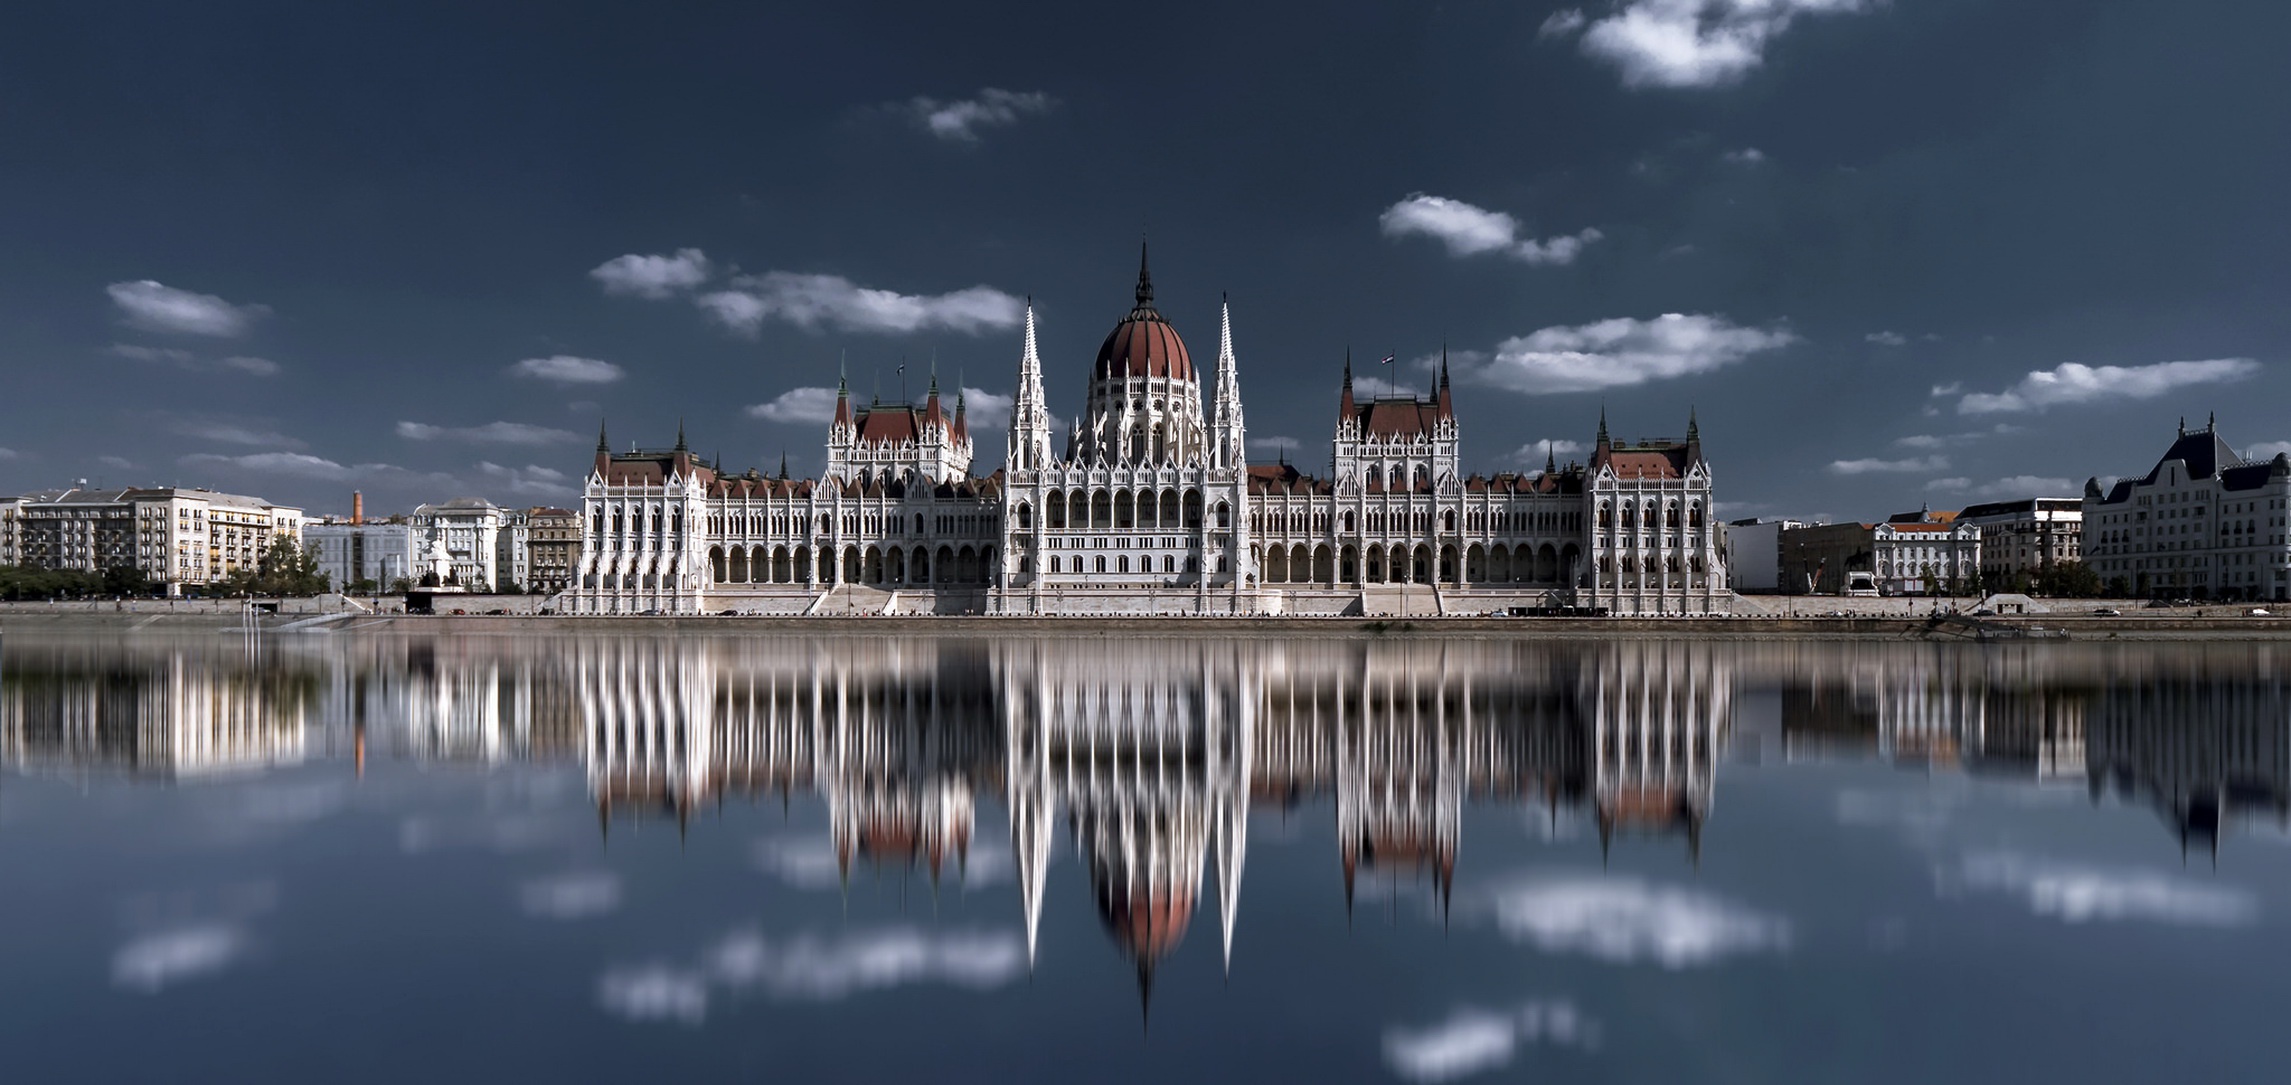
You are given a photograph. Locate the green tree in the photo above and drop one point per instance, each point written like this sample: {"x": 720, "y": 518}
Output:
{"x": 2069, "y": 580}
{"x": 284, "y": 569}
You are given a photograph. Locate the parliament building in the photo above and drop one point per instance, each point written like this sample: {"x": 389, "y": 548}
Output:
{"x": 1150, "y": 507}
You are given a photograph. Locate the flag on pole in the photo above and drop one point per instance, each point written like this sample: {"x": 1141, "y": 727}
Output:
{"x": 1387, "y": 359}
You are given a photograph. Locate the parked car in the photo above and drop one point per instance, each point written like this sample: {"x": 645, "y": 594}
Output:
{"x": 2259, "y": 612}
{"x": 2107, "y": 612}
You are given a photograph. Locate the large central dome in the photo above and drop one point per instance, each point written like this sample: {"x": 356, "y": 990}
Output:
{"x": 1143, "y": 344}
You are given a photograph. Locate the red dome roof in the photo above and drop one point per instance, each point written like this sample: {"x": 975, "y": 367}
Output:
{"x": 1143, "y": 344}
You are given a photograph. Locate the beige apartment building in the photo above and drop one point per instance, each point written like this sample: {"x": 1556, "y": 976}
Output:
{"x": 178, "y": 536}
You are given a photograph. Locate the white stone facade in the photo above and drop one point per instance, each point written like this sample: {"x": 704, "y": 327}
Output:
{"x": 2204, "y": 523}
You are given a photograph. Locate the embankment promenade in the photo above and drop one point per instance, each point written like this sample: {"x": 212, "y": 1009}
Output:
{"x": 2217, "y": 622}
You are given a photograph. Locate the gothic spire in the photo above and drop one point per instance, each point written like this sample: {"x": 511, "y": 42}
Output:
{"x": 1344, "y": 407}
{"x": 783, "y": 465}
{"x": 1603, "y": 441}
{"x": 1226, "y": 410}
{"x": 602, "y": 447}
{"x": 1447, "y": 404}
{"x": 1145, "y": 278}
{"x": 1550, "y": 457}
{"x": 680, "y": 436}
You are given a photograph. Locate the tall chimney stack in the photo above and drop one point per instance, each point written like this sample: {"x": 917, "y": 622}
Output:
{"x": 357, "y": 507}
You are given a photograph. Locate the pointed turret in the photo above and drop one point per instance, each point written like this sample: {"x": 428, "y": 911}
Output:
{"x": 783, "y": 465}
{"x": 680, "y": 445}
{"x": 1145, "y": 278}
{"x": 1029, "y": 418}
{"x": 962, "y": 427}
{"x": 1229, "y": 431}
{"x": 1603, "y": 444}
{"x": 1693, "y": 438}
{"x": 932, "y": 415}
{"x": 1344, "y": 406}
{"x": 842, "y": 400}
{"x": 1550, "y": 457}
{"x": 603, "y": 446}
{"x": 1447, "y": 404}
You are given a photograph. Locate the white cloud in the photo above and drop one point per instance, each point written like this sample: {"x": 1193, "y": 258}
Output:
{"x": 577, "y": 895}
{"x": 1468, "y": 231}
{"x": 183, "y": 359}
{"x": 233, "y": 433}
{"x": 171, "y": 355}
{"x": 654, "y": 993}
{"x": 987, "y": 410}
{"x": 803, "y": 862}
{"x": 2076, "y": 893}
{"x": 1622, "y": 920}
{"x": 2071, "y": 383}
{"x": 1275, "y": 444}
{"x": 1623, "y": 352}
{"x": 258, "y": 367}
{"x": 809, "y": 968}
{"x": 9, "y": 454}
{"x": 1691, "y": 43}
{"x": 150, "y": 963}
{"x": 156, "y": 307}
{"x": 814, "y": 969}
{"x": 1744, "y": 156}
{"x": 960, "y": 120}
{"x": 116, "y": 463}
{"x": 1474, "y": 1040}
{"x": 1561, "y": 23}
{"x": 812, "y": 302}
{"x": 1536, "y": 453}
{"x": 492, "y": 433}
{"x": 797, "y": 405}
{"x": 531, "y": 480}
{"x": 567, "y": 369}
{"x": 296, "y": 464}
{"x": 1373, "y": 387}
{"x": 1875, "y": 466}
{"x": 1930, "y": 441}
{"x": 1949, "y": 389}
{"x": 2267, "y": 450}
{"x": 1886, "y": 339}
{"x": 2011, "y": 487}
{"x": 653, "y": 277}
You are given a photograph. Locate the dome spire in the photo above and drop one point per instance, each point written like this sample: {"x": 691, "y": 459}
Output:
{"x": 1145, "y": 278}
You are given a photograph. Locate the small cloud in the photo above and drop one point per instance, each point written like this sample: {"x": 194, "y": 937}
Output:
{"x": 578, "y": 895}
{"x": 1696, "y": 44}
{"x": 153, "y": 962}
{"x": 1561, "y": 23}
{"x": 1378, "y": 387}
{"x": 226, "y": 432}
{"x": 567, "y": 369}
{"x": 1275, "y": 444}
{"x": 157, "y": 307}
{"x": 1875, "y": 466}
{"x": 1622, "y": 920}
{"x": 654, "y": 993}
{"x": 531, "y": 480}
{"x": 2267, "y": 450}
{"x": 2015, "y": 486}
{"x": 9, "y": 454}
{"x": 1468, "y": 231}
{"x": 183, "y": 359}
{"x": 2071, "y": 383}
{"x": 1622, "y": 352}
{"x": 1746, "y": 156}
{"x": 1536, "y": 453}
{"x": 492, "y": 433}
{"x": 813, "y": 302}
{"x": 295, "y": 464}
{"x": 1886, "y": 339}
{"x": 960, "y": 120}
{"x": 814, "y": 405}
{"x": 988, "y": 411}
{"x": 116, "y": 463}
{"x": 654, "y": 277}
{"x": 1474, "y": 1040}
{"x": 1949, "y": 389}
{"x": 2075, "y": 893}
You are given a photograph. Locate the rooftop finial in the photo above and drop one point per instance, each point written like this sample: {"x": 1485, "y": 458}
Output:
{"x": 1145, "y": 277}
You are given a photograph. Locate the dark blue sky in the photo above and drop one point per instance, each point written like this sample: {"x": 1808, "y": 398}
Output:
{"x": 383, "y": 241}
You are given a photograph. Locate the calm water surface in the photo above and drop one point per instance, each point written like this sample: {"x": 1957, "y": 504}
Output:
{"x": 381, "y": 858}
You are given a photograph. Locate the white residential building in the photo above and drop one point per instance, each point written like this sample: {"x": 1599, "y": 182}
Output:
{"x": 177, "y": 536}
{"x": 472, "y": 543}
{"x": 2203, "y": 523}
{"x": 2023, "y": 539}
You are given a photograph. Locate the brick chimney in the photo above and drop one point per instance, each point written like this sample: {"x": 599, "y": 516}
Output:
{"x": 357, "y": 507}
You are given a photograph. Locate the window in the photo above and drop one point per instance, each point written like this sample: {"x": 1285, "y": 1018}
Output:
{"x": 1101, "y": 563}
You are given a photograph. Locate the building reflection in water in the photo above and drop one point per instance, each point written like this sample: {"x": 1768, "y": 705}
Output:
{"x": 1150, "y": 753}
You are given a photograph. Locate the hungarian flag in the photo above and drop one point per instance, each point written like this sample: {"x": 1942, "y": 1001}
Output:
{"x": 1387, "y": 359}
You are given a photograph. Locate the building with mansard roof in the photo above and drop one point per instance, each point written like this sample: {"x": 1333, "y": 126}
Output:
{"x": 1149, "y": 506}
{"x": 2202, "y": 523}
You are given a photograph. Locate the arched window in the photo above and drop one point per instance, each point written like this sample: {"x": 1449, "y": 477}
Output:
{"x": 1122, "y": 564}
{"x": 1224, "y": 516}
{"x": 1101, "y": 563}
{"x": 1025, "y": 517}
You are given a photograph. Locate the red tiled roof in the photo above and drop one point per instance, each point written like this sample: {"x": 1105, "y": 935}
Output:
{"x": 1645, "y": 461}
{"x": 1399, "y": 418}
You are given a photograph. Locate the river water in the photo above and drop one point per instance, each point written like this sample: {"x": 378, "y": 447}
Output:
{"x": 866, "y": 858}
